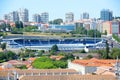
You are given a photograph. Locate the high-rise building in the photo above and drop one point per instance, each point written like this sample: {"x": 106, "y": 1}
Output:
{"x": 85, "y": 15}
{"x": 12, "y": 16}
{"x": 69, "y": 17}
{"x": 6, "y": 17}
{"x": 106, "y": 15}
{"x": 36, "y": 18}
{"x": 44, "y": 17}
{"x": 23, "y": 15}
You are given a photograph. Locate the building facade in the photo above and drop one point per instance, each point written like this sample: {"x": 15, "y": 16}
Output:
{"x": 107, "y": 26}
{"x": 69, "y": 17}
{"x": 44, "y": 17}
{"x": 36, "y": 18}
{"x": 115, "y": 27}
{"x": 85, "y": 15}
{"x": 106, "y": 15}
{"x": 12, "y": 16}
{"x": 23, "y": 15}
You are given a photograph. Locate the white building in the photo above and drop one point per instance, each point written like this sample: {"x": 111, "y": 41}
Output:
{"x": 12, "y": 16}
{"x": 44, "y": 17}
{"x": 85, "y": 15}
{"x": 89, "y": 66}
{"x": 69, "y": 17}
{"x": 81, "y": 68}
{"x": 23, "y": 15}
{"x": 36, "y": 18}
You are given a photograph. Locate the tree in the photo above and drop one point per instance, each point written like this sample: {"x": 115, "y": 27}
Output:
{"x": 107, "y": 50}
{"x": 19, "y": 24}
{"x": 68, "y": 56}
{"x": 54, "y": 49}
{"x": 56, "y": 21}
{"x": 94, "y": 33}
{"x": 3, "y": 46}
{"x": 115, "y": 52}
{"x": 2, "y": 57}
{"x": 105, "y": 32}
{"x": 47, "y": 63}
{"x": 102, "y": 54}
{"x": 10, "y": 55}
{"x": 40, "y": 53}
{"x": 89, "y": 56}
{"x": 21, "y": 67}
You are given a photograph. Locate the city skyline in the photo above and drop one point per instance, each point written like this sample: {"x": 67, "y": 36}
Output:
{"x": 57, "y": 9}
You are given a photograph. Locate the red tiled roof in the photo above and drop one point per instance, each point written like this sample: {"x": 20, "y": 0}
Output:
{"x": 95, "y": 62}
{"x": 31, "y": 59}
{"x": 69, "y": 77}
{"x": 56, "y": 57}
{"x": 1, "y": 68}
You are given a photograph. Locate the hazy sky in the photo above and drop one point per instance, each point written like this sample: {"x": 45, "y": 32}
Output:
{"x": 58, "y": 8}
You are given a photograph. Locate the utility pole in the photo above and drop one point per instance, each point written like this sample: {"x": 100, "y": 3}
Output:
{"x": 117, "y": 69}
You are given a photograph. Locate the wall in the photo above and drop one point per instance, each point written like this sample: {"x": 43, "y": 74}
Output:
{"x": 77, "y": 67}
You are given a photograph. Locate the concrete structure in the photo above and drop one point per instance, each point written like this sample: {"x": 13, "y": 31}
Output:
{"x": 85, "y": 15}
{"x": 23, "y": 15}
{"x": 115, "y": 27}
{"x": 106, "y": 15}
{"x": 38, "y": 43}
{"x": 12, "y": 16}
{"x": 44, "y": 17}
{"x": 99, "y": 26}
{"x": 89, "y": 66}
{"x": 36, "y": 18}
{"x": 6, "y": 17}
{"x": 69, "y": 17}
{"x": 107, "y": 26}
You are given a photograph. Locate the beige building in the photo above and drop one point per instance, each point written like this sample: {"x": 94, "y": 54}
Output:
{"x": 107, "y": 26}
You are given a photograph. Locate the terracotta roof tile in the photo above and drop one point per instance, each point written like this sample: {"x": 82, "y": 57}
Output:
{"x": 69, "y": 77}
{"x": 95, "y": 62}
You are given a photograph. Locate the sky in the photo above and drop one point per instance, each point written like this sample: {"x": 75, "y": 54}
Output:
{"x": 58, "y": 8}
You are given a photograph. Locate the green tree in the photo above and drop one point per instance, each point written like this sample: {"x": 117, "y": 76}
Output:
{"x": 30, "y": 28}
{"x": 60, "y": 64}
{"x": 41, "y": 52}
{"x": 115, "y": 52}
{"x": 21, "y": 67}
{"x": 15, "y": 30}
{"x": 31, "y": 55}
{"x": 10, "y": 55}
{"x": 89, "y": 56}
{"x": 2, "y": 57}
{"x": 107, "y": 50}
{"x": 94, "y": 33}
{"x": 105, "y": 32}
{"x": 19, "y": 24}
{"x": 43, "y": 63}
{"x": 3, "y": 46}
{"x": 54, "y": 49}
{"x": 56, "y": 21}
{"x": 102, "y": 54}
{"x": 47, "y": 63}
{"x": 68, "y": 56}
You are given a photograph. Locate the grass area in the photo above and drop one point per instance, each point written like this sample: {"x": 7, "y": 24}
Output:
{"x": 44, "y": 34}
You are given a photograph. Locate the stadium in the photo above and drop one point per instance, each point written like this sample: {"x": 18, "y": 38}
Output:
{"x": 42, "y": 43}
